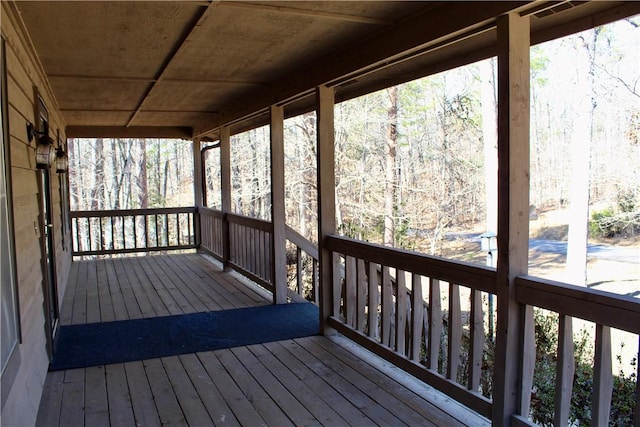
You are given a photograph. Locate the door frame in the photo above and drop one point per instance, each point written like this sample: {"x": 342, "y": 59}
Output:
{"x": 47, "y": 238}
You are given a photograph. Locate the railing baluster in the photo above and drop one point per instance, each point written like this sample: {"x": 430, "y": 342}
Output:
{"x": 361, "y": 296}
{"x": 374, "y": 300}
{"x": 476, "y": 340}
{"x": 417, "y": 305}
{"x": 401, "y": 312}
{"x": 178, "y": 229}
{"x": 565, "y": 368}
{"x": 134, "y": 225}
{"x": 314, "y": 280}
{"x": 299, "y": 270}
{"x": 387, "y": 305}
{"x": 101, "y": 235}
{"x": 124, "y": 238}
{"x": 351, "y": 283}
{"x": 435, "y": 324}
{"x": 166, "y": 229}
{"x": 602, "y": 377}
{"x": 337, "y": 285}
{"x": 113, "y": 238}
{"x": 454, "y": 340}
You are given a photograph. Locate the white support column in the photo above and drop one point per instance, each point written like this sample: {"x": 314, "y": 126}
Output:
{"x": 325, "y": 99}
{"x": 278, "y": 242}
{"x": 513, "y": 208}
{"x": 225, "y": 185}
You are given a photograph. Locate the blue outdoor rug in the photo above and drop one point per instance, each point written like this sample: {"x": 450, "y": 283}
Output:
{"x": 81, "y": 346}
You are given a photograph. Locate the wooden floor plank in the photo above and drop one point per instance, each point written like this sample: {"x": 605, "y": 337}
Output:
{"x": 188, "y": 398}
{"x": 117, "y": 299}
{"x": 72, "y": 407}
{"x": 281, "y": 395}
{"x": 66, "y": 309}
{"x": 80, "y": 297}
{"x": 299, "y": 389}
{"x": 177, "y": 293}
{"x": 144, "y": 301}
{"x": 203, "y": 290}
{"x": 399, "y": 408}
{"x": 128, "y": 295}
{"x": 398, "y": 390}
{"x": 104, "y": 294}
{"x": 368, "y": 406}
{"x": 120, "y": 409}
{"x": 156, "y": 303}
{"x": 169, "y": 410}
{"x": 219, "y": 412}
{"x": 143, "y": 405}
{"x": 185, "y": 287}
{"x": 166, "y": 295}
{"x": 49, "y": 412}
{"x": 441, "y": 401}
{"x": 96, "y": 405}
{"x": 347, "y": 410}
{"x": 259, "y": 398}
{"x": 93, "y": 298}
{"x": 243, "y": 410}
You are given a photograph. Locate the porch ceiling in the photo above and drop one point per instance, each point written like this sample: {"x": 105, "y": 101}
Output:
{"x": 183, "y": 68}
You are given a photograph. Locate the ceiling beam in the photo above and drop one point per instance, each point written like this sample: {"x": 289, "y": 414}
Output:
{"x": 307, "y": 12}
{"x": 172, "y": 132}
{"x": 181, "y": 46}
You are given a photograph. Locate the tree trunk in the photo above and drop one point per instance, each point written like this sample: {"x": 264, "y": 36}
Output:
{"x": 576, "y": 267}
{"x": 390, "y": 168}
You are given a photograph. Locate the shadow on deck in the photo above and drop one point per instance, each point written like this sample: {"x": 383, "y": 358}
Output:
{"x": 304, "y": 381}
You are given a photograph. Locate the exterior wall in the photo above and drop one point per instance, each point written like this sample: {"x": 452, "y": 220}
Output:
{"x": 24, "y": 377}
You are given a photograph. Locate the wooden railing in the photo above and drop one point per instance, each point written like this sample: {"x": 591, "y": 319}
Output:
{"x": 606, "y": 310}
{"x": 250, "y": 248}
{"x": 132, "y": 230}
{"x": 305, "y": 266}
{"x": 241, "y": 242}
{"x": 212, "y": 232}
{"x": 248, "y": 245}
{"x": 404, "y": 323}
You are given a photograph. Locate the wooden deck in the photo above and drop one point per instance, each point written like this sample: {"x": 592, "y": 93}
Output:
{"x": 308, "y": 381}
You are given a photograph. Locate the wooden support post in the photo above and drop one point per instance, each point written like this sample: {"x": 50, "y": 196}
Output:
{"x": 279, "y": 240}
{"x": 197, "y": 190}
{"x": 513, "y": 209}
{"x": 225, "y": 185}
{"x": 325, "y": 98}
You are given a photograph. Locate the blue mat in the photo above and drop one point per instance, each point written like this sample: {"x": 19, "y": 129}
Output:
{"x": 94, "y": 344}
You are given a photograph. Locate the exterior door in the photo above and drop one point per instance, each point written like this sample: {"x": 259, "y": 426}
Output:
{"x": 48, "y": 261}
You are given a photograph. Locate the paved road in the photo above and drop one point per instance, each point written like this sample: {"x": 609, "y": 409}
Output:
{"x": 604, "y": 252}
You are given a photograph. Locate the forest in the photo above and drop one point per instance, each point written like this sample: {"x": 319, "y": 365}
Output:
{"x": 416, "y": 162}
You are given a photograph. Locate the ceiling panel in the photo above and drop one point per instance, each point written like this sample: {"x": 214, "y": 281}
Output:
{"x": 98, "y": 94}
{"x": 117, "y": 38}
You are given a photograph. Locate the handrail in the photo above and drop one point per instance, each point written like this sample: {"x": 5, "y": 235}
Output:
{"x": 300, "y": 241}
{"x": 601, "y": 307}
{"x": 475, "y": 276}
{"x": 122, "y": 231}
{"x": 301, "y": 269}
{"x": 130, "y": 212}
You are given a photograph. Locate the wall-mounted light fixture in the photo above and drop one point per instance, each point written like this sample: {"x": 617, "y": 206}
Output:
{"x": 45, "y": 152}
{"x": 62, "y": 161}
